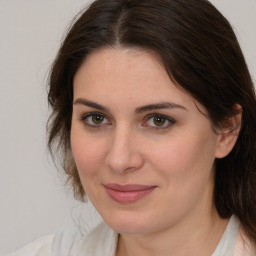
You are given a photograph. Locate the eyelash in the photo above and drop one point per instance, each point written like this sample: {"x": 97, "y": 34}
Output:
{"x": 170, "y": 121}
{"x": 85, "y": 117}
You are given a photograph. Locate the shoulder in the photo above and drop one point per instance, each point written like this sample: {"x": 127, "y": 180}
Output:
{"x": 40, "y": 247}
{"x": 234, "y": 241}
{"x": 244, "y": 246}
{"x": 101, "y": 240}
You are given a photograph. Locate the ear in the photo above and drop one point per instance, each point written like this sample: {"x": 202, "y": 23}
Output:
{"x": 229, "y": 133}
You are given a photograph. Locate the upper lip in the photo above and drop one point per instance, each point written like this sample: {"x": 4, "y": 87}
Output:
{"x": 128, "y": 187}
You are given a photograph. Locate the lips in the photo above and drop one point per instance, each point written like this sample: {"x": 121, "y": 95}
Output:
{"x": 130, "y": 193}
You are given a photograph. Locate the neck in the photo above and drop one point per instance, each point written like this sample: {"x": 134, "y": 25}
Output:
{"x": 194, "y": 238}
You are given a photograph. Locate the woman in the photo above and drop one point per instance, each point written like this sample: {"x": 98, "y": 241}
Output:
{"x": 153, "y": 111}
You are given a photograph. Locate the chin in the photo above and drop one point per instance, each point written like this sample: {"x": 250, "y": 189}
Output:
{"x": 129, "y": 223}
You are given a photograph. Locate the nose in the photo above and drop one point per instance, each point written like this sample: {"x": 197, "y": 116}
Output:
{"x": 124, "y": 152}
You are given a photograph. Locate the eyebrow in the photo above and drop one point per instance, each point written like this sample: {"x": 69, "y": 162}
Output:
{"x": 90, "y": 104}
{"x": 164, "y": 105}
{"x": 150, "y": 107}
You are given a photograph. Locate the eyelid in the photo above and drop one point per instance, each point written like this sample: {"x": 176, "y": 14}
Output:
{"x": 90, "y": 114}
{"x": 167, "y": 118}
{"x": 87, "y": 114}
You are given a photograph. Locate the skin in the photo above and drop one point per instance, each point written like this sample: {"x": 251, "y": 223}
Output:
{"x": 125, "y": 146}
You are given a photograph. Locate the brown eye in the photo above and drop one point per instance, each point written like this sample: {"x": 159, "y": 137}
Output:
{"x": 97, "y": 119}
{"x": 159, "y": 121}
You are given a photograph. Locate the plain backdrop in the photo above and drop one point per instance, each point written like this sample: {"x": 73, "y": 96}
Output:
{"x": 33, "y": 198}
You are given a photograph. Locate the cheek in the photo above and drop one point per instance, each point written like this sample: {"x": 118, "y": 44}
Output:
{"x": 88, "y": 153}
{"x": 181, "y": 156}
{"x": 88, "y": 156}
{"x": 185, "y": 165}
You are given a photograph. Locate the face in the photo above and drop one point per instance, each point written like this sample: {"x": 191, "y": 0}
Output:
{"x": 143, "y": 148}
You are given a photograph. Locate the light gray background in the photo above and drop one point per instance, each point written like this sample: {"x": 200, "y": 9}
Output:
{"x": 33, "y": 200}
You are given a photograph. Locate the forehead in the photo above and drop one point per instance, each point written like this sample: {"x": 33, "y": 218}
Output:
{"x": 112, "y": 61}
{"x": 127, "y": 73}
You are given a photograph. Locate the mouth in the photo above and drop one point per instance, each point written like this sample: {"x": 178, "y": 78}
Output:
{"x": 129, "y": 193}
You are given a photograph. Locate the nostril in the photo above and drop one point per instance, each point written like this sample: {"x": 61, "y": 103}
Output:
{"x": 124, "y": 160}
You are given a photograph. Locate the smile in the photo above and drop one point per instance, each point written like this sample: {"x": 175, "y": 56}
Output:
{"x": 130, "y": 193}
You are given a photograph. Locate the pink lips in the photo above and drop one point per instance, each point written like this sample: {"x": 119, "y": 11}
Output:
{"x": 128, "y": 193}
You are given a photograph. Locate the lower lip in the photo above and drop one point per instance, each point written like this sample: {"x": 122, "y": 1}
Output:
{"x": 125, "y": 197}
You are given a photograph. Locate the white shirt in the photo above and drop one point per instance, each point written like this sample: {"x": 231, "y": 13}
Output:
{"x": 103, "y": 241}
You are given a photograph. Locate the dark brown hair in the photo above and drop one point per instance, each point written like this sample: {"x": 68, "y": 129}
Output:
{"x": 199, "y": 50}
